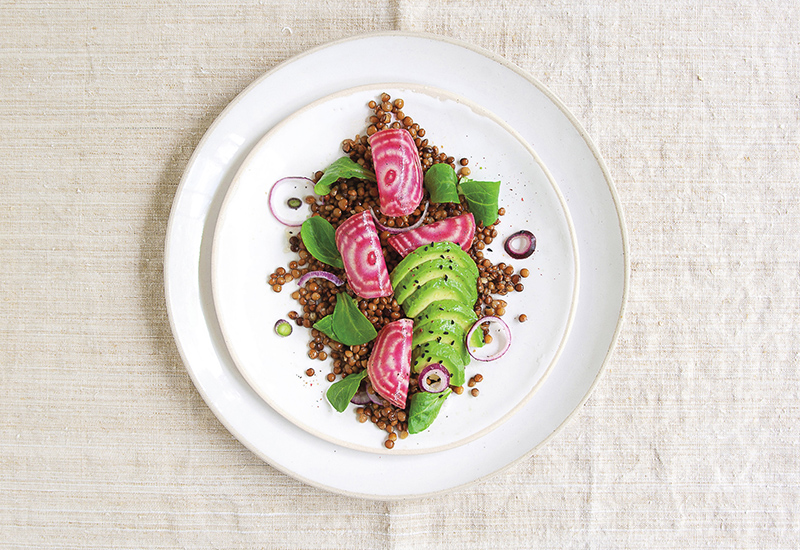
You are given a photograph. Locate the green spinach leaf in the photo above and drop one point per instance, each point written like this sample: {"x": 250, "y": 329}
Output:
{"x": 320, "y": 240}
{"x": 342, "y": 168}
{"x": 326, "y": 325}
{"x": 340, "y": 393}
{"x": 482, "y": 197}
{"x": 441, "y": 181}
{"x": 425, "y": 408}
{"x": 347, "y": 324}
{"x": 476, "y": 340}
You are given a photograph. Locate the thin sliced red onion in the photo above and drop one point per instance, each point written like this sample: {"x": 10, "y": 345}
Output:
{"x": 374, "y": 397}
{"x": 327, "y": 275}
{"x": 501, "y": 340}
{"x": 283, "y": 328}
{"x": 361, "y": 398}
{"x": 520, "y": 245}
{"x": 439, "y": 386}
{"x": 395, "y": 230}
{"x": 285, "y": 189}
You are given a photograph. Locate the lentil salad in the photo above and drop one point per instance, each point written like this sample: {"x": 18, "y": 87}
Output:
{"x": 317, "y": 298}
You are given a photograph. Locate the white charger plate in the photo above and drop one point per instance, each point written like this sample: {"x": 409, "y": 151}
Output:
{"x": 497, "y": 85}
{"x": 249, "y": 243}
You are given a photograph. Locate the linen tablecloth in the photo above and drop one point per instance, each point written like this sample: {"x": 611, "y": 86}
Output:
{"x": 690, "y": 440}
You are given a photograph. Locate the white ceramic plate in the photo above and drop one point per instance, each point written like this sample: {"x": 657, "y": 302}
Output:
{"x": 249, "y": 244}
{"x": 565, "y": 149}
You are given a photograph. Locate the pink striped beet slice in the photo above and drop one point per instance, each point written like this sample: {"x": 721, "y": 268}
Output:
{"x": 459, "y": 229}
{"x": 398, "y": 171}
{"x": 358, "y": 243}
{"x": 389, "y": 366}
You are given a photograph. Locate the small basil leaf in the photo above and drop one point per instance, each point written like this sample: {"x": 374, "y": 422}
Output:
{"x": 482, "y": 197}
{"x": 476, "y": 340}
{"x": 350, "y": 326}
{"x": 440, "y": 181}
{"x": 424, "y": 409}
{"x": 326, "y": 325}
{"x": 340, "y": 393}
{"x": 342, "y": 168}
{"x": 320, "y": 240}
{"x": 457, "y": 374}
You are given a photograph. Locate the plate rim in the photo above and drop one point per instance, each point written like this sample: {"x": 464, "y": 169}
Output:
{"x": 557, "y": 102}
{"x": 422, "y": 89}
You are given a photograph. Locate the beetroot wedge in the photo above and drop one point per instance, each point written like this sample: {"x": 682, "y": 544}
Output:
{"x": 398, "y": 171}
{"x": 459, "y": 230}
{"x": 389, "y": 366}
{"x": 360, "y": 247}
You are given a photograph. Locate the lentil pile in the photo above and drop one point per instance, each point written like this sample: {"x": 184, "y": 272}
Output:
{"x": 317, "y": 297}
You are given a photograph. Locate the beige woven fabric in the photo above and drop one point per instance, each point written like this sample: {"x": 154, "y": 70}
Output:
{"x": 692, "y": 438}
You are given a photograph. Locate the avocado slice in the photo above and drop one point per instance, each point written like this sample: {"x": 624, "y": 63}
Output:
{"x": 461, "y": 313}
{"x": 444, "y": 251}
{"x": 427, "y": 271}
{"x": 435, "y": 352}
{"x": 446, "y": 288}
{"x": 443, "y": 331}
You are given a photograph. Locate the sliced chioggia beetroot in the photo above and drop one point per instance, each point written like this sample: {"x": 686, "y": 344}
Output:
{"x": 398, "y": 171}
{"x": 459, "y": 230}
{"x": 360, "y": 247}
{"x": 389, "y": 366}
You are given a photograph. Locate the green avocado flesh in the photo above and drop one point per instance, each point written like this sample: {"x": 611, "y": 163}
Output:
{"x": 435, "y": 251}
{"x": 447, "y": 310}
{"x": 448, "y": 288}
{"x": 424, "y": 272}
{"x": 443, "y": 332}
{"x": 447, "y": 355}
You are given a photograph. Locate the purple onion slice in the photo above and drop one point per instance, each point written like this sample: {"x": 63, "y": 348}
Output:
{"x": 283, "y": 328}
{"x": 286, "y": 191}
{"x": 374, "y": 397}
{"x": 361, "y": 398}
{"x": 395, "y": 230}
{"x": 327, "y": 275}
{"x": 520, "y": 245}
{"x": 434, "y": 378}
{"x": 501, "y": 339}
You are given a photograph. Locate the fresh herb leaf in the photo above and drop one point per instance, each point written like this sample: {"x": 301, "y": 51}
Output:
{"x": 326, "y": 325}
{"x": 425, "y": 408}
{"x": 482, "y": 197}
{"x": 320, "y": 240}
{"x": 350, "y": 324}
{"x": 441, "y": 181}
{"x": 340, "y": 393}
{"x": 342, "y": 168}
{"x": 476, "y": 340}
{"x": 457, "y": 374}
{"x": 347, "y": 324}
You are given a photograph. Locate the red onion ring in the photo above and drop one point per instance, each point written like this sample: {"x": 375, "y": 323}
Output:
{"x": 503, "y": 346}
{"x": 374, "y": 397}
{"x": 395, "y": 230}
{"x": 520, "y": 253}
{"x": 283, "y": 326}
{"x": 327, "y": 275}
{"x": 435, "y": 387}
{"x": 361, "y": 398}
{"x": 285, "y": 189}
